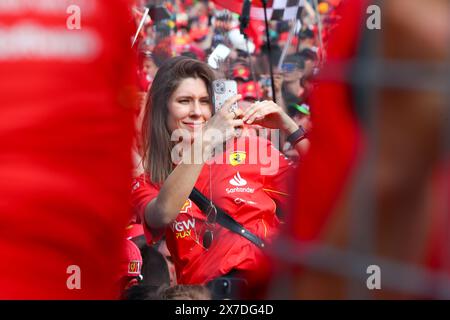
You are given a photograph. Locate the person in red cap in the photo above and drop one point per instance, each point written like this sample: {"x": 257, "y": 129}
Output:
{"x": 241, "y": 73}
{"x": 131, "y": 266}
{"x": 250, "y": 92}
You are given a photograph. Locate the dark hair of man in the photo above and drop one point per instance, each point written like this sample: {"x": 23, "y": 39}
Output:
{"x": 308, "y": 54}
{"x": 298, "y": 60}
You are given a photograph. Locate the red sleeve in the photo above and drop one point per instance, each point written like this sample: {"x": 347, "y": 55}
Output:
{"x": 276, "y": 183}
{"x": 142, "y": 192}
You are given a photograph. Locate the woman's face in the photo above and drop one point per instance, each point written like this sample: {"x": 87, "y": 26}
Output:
{"x": 189, "y": 106}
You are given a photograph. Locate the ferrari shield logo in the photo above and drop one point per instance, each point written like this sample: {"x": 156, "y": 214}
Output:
{"x": 134, "y": 267}
{"x": 237, "y": 158}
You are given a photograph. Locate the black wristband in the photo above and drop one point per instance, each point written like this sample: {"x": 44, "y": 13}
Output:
{"x": 296, "y": 136}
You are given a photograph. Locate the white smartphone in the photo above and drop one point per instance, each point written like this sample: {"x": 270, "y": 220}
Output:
{"x": 224, "y": 89}
{"x": 219, "y": 54}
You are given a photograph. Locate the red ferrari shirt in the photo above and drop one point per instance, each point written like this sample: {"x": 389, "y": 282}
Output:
{"x": 239, "y": 187}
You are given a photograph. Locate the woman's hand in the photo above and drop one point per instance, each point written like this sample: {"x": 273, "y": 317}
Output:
{"x": 224, "y": 125}
{"x": 268, "y": 114}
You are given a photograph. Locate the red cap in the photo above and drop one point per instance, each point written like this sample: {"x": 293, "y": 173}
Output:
{"x": 249, "y": 89}
{"x": 132, "y": 263}
{"x": 241, "y": 72}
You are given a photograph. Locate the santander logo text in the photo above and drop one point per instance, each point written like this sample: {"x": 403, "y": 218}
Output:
{"x": 239, "y": 183}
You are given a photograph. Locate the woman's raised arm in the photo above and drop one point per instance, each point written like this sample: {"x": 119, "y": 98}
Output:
{"x": 177, "y": 187}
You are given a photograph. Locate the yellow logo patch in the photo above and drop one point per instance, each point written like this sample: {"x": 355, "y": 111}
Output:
{"x": 237, "y": 158}
{"x": 186, "y": 206}
{"x": 134, "y": 267}
{"x": 183, "y": 234}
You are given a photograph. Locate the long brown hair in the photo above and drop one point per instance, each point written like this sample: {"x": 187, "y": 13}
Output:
{"x": 155, "y": 133}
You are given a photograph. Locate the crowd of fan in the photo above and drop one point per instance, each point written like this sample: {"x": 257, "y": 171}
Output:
{"x": 195, "y": 29}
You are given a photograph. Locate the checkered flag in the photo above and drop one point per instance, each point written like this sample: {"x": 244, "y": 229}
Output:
{"x": 276, "y": 9}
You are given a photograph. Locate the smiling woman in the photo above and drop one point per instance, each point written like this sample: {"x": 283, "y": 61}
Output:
{"x": 203, "y": 250}
{"x": 189, "y": 106}
{"x": 179, "y": 99}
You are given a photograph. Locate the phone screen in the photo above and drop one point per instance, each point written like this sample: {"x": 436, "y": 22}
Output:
{"x": 219, "y": 54}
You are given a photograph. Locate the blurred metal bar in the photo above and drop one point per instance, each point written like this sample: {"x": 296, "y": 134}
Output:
{"x": 375, "y": 74}
{"x": 445, "y": 252}
{"x": 287, "y": 44}
{"x": 319, "y": 25}
{"x": 363, "y": 210}
{"x": 399, "y": 74}
{"x": 402, "y": 278}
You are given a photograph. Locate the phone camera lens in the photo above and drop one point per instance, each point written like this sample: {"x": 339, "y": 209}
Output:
{"x": 219, "y": 87}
